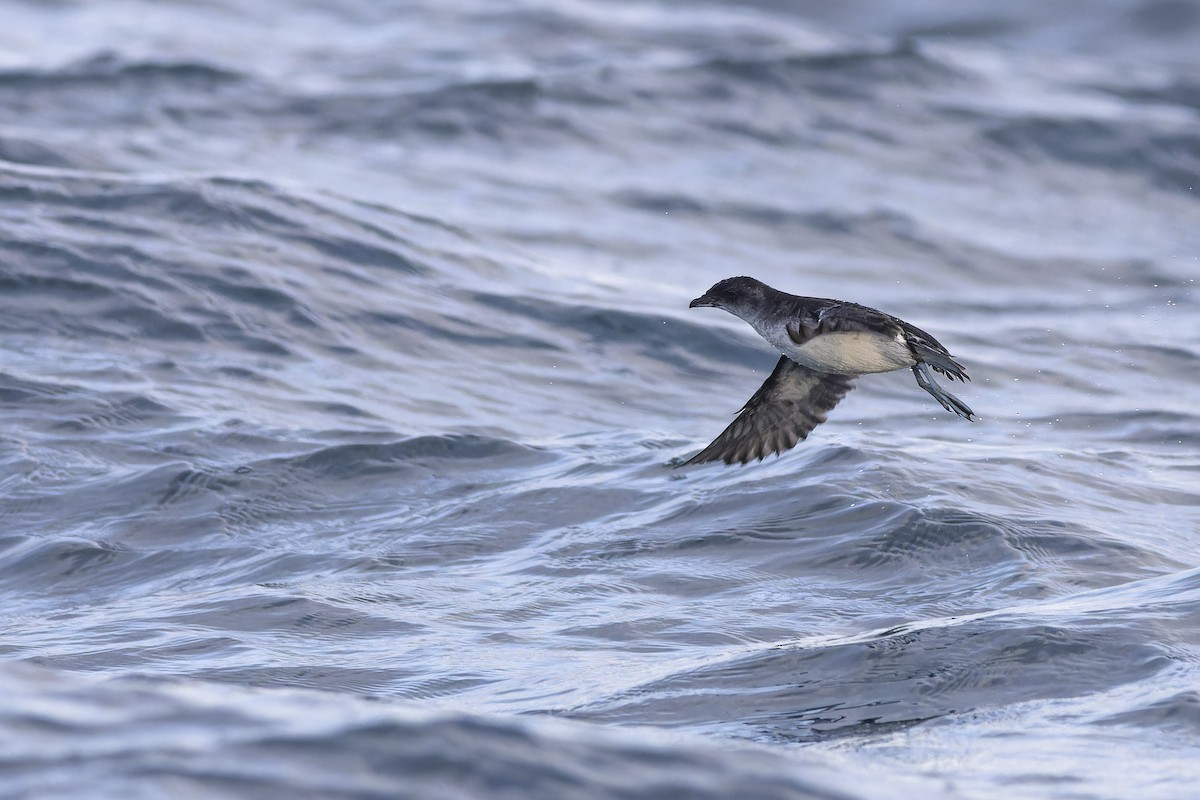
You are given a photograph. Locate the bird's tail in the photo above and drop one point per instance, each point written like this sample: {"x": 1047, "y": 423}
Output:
{"x": 940, "y": 360}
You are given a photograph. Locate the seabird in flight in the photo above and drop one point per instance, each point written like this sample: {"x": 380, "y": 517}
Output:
{"x": 825, "y": 344}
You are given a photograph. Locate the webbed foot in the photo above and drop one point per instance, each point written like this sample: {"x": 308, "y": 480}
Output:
{"x": 949, "y": 402}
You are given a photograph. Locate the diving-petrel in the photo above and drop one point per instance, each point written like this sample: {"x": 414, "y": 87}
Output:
{"x": 825, "y": 344}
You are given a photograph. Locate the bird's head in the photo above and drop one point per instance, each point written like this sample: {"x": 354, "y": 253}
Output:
{"x": 738, "y": 296}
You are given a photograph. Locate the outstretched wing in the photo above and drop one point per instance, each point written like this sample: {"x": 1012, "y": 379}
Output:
{"x": 788, "y": 405}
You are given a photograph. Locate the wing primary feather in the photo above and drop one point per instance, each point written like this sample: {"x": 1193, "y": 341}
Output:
{"x": 790, "y": 403}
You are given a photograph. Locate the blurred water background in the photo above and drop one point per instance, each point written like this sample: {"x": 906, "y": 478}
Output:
{"x": 346, "y": 353}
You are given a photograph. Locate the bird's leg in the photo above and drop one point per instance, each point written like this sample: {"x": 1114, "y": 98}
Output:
{"x": 949, "y": 402}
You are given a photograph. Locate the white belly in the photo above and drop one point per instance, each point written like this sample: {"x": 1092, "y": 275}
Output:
{"x": 851, "y": 353}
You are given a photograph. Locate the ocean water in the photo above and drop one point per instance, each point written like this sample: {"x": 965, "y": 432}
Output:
{"x": 347, "y": 362}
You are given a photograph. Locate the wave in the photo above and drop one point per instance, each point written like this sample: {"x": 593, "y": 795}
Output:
{"x": 846, "y": 72}
{"x": 913, "y": 673}
{"x": 113, "y": 68}
{"x": 1170, "y": 159}
{"x": 161, "y": 736}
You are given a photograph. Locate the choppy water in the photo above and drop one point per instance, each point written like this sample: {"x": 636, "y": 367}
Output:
{"x": 347, "y": 351}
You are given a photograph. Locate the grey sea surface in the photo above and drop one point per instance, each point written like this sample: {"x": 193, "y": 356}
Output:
{"x": 347, "y": 362}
